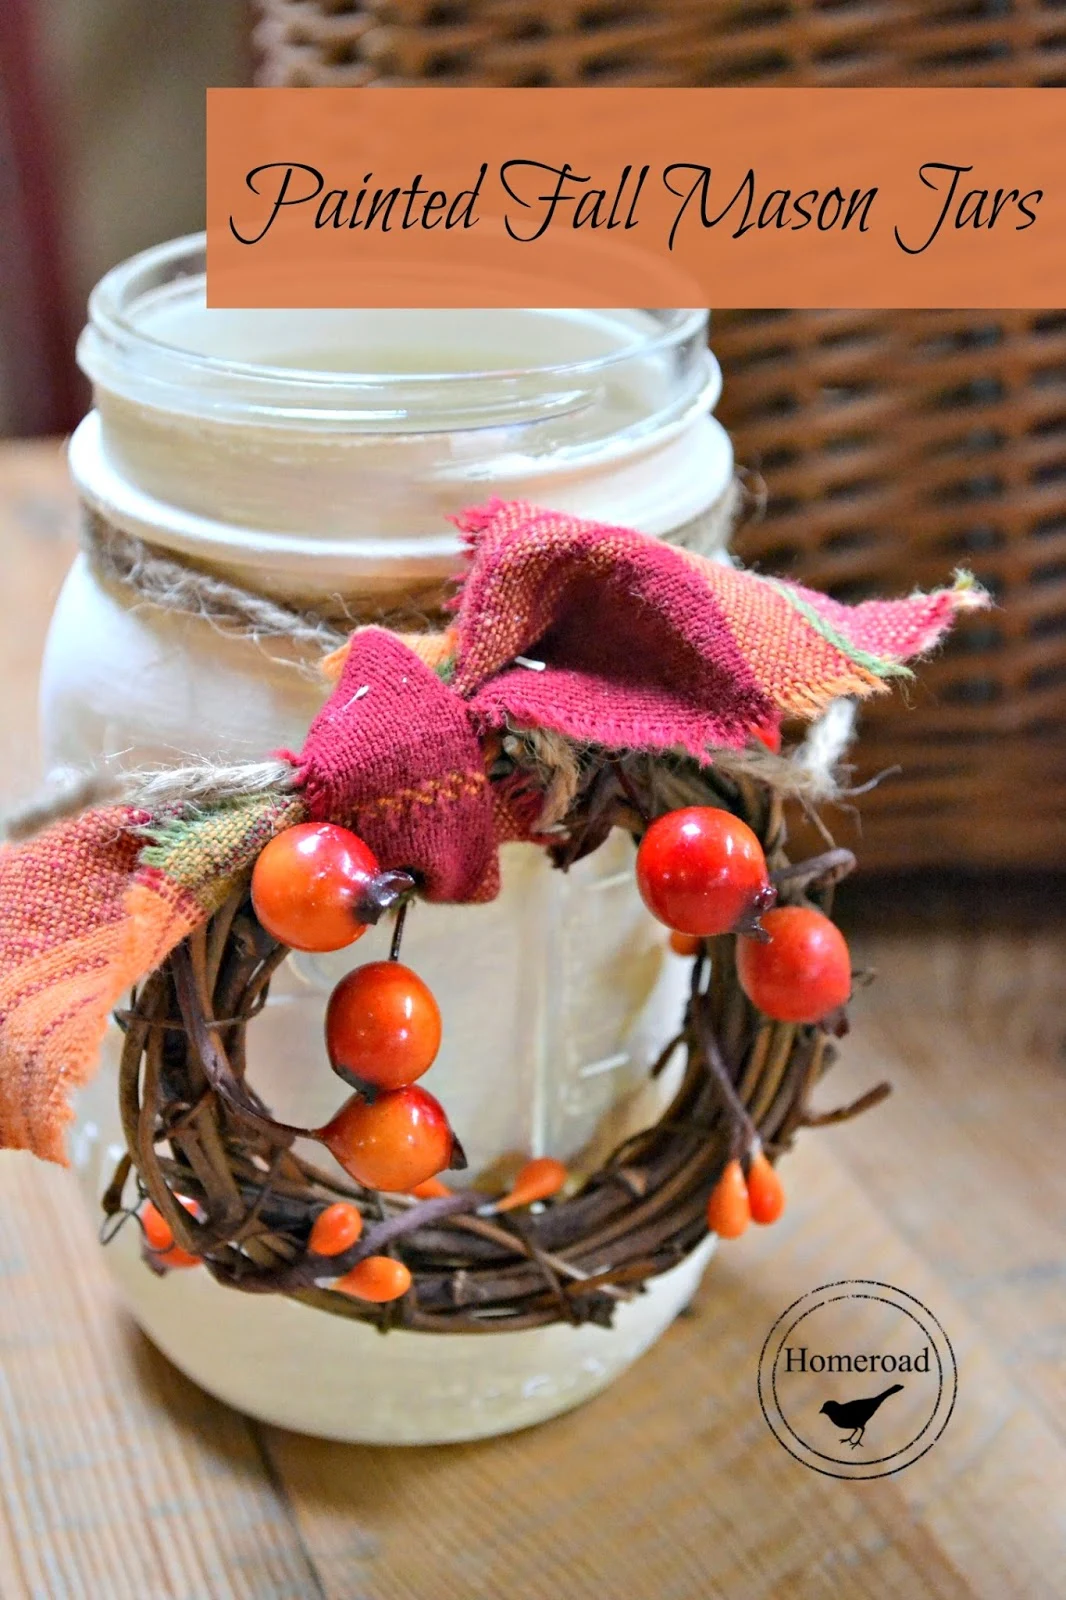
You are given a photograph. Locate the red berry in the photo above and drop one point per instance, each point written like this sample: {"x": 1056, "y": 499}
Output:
{"x": 395, "y": 1142}
{"x": 376, "y": 1278}
{"x": 728, "y": 1209}
{"x": 802, "y": 972}
{"x": 382, "y": 1025}
{"x": 335, "y": 1229}
{"x": 769, "y": 734}
{"x": 306, "y": 886}
{"x": 685, "y": 944}
{"x": 159, "y": 1236}
{"x": 766, "y": 1193}
{"x": 702, "y": 871}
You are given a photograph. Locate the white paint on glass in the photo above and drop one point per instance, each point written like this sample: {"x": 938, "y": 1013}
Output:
{"x": 313, "y": 453}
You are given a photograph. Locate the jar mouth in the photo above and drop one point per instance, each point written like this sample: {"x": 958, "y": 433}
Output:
{"x": 140, "y": 312}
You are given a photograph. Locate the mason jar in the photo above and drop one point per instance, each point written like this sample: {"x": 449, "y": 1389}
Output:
{"x": 314, "y": 457}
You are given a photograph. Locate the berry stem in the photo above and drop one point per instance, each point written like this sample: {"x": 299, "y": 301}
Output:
{"x": 749, "y": 923}
{"x": 459, "y": 1162}
{"x": 363, "y": 1087}
{"x": 397, "y": 932}
{"x": 384, "y": 893}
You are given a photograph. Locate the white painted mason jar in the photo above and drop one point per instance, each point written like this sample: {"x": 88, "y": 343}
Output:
{"x": 311, "y": 455}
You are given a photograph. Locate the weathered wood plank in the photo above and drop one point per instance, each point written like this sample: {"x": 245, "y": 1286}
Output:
{"x": 671, "y": 1483}
{"x": 119, "y": 1480}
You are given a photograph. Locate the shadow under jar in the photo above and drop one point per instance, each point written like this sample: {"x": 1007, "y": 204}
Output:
{"x": 314, "y": 456}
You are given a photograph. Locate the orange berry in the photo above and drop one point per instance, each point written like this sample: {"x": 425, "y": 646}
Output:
{"x": 157, "y": 1230}
{"x": 400, "y": 1139}
{"x": 159, "y": 1236}
{"x": 766, "y": 1193}
{"x": 382, "y": 1025}
{"x": 336, "y": 1229}
{"x": 539, "y": 1179}
{"x": 801, "y": 972}
{"x": 177, "y": 1259}
{"x": 377, "y": 1278}
{"x": 306, "y": 885}
{"x": 728, "y": 1209}
{"x": 685, "y": 944}
{"x": 702, "y": 870}
{"x": 432, "y": 1189}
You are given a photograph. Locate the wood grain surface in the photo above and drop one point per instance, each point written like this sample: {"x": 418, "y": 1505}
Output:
{"x": 121, "y": 1481}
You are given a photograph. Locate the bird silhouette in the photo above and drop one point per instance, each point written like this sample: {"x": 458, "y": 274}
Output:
{"x": 855, "y": 1414}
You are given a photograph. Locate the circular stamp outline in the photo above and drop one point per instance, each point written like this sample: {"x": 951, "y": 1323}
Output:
{"x": 844, "y": 1461}
{"x": 849, "y": 1286}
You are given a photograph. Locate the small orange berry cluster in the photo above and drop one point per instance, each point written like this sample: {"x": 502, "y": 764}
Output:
{"x": 739, "y": 1198}
{"x": 377, "y": 1278}
{"x": 383, "y": 1031}
{"x": 702, "y": 872}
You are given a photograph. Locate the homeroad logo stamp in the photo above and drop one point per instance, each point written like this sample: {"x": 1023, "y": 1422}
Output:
{"x": 857, "y": 1379}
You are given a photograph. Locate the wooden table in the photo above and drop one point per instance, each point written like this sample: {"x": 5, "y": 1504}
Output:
{"x": 121, "y": 1481}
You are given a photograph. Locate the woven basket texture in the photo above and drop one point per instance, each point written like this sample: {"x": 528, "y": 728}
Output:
{"x": 539, "y": 42}
{"x": 888, "y": 447}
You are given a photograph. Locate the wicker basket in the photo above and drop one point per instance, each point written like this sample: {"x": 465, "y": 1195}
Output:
{"x": 538, "y": 42}
{"x": 891, "y": 446}
{"x": 894, "y": 446}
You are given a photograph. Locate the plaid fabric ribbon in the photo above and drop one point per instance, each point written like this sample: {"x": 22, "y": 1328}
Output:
{"x": 600, "y": 634}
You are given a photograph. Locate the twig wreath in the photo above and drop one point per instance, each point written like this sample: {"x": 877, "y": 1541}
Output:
{"x": 592, "y": 679}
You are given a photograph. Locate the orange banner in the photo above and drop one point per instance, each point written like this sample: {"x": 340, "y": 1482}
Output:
{"x": 651, "y": 197}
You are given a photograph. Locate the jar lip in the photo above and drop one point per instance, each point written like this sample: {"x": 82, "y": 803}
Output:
{"x": 112, "y": 314}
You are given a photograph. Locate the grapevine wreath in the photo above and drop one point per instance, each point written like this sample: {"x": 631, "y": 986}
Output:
{"x": 590, "y": 678}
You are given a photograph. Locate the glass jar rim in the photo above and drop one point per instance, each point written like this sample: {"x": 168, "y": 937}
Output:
{"x": 112, "y": 315}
